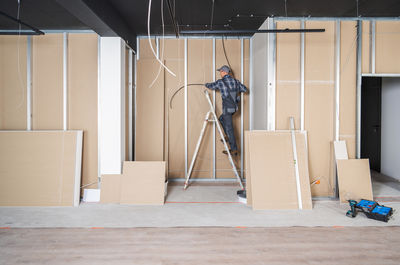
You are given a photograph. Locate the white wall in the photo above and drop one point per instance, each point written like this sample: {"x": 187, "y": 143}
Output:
{"x": 112, "y": 105}
{"x": 390, "y": 149}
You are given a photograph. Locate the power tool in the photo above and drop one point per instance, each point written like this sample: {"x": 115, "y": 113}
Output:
{"x": 371, "y": 209}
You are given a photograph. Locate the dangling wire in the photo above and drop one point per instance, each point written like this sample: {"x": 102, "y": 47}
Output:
{"x": 151, "y": 45}
{"x": 163, "y": 46}
{"x": 226, "y": 57}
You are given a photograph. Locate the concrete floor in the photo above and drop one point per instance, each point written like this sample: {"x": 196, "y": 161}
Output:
{"x": 385, "y": 187}
{"x": 200, "y": 205}
{"x": 238, "y": 246}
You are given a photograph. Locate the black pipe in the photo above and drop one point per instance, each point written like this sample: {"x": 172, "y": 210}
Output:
{"x": 239, "y": 31}
{"x": 38, "y": 32}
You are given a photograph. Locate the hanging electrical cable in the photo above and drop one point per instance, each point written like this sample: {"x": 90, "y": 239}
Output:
{"x": 179, "y": 89}
{"x": 226, "y": 57}
{"x": 151, "y": 45}
{"x": 163, "y": 46}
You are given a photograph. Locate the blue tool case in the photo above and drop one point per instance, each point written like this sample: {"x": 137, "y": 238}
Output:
{"x": 374, "y": 210}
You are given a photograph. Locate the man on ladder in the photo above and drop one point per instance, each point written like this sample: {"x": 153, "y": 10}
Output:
{"x": 229, "y": 87}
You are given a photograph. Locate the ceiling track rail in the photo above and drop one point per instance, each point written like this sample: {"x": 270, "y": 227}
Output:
{"x": 20, "y": 22}
{"x": 251, "y": 31}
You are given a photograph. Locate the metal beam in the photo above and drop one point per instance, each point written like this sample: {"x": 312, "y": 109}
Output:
{"x": 101, "y": 16}
{"x": 251, "y": 31}
{"x": 358, "y": 89}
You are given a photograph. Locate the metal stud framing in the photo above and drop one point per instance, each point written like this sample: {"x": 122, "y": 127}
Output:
{"x": 241, "y": 109}
{"x": 186, "y": 108}
{"x": 271, "y": 87}
{"x": 214, "y": 175}
{"x": 130, "y": 108}
{"x": 29, "y": 84}
{"x": 358, "y": 93}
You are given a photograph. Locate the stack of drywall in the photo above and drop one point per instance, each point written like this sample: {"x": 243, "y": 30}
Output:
{"x": 354, "y": 177}
{"x": 272, "y": 180}
{"x": 140, "y": 183}
{"x": 40, "y": 168}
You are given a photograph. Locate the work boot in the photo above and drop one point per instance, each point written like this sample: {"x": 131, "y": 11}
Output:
{"x": 241, "y": 194}
{"x": 233, "y": 152}
{"x": 226, "y": 139}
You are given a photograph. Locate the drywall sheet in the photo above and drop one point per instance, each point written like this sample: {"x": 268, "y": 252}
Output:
{"x": 175, "y": 107}
{"x": 354, "y": 180}
{"x": 82, "y": 98}
{"x": 340, "y": 150}
{"x": 110, "y": 188}
{"x": 348, "y": 78}
{"x": 273, "y": 178}
{"x": 319, "y": 105}
{"x": 200, "y": 71}
{"x": 287, "y": 76}
{"x": 387, "y": 47}
{"x": 143, "y": 183}
{"x": 232, "y": 48}
{"x": 47, "y": 82}
{"x": 365, "y": 46}
{"x": 13, "y": 82}
{"x": 40, "y": 168}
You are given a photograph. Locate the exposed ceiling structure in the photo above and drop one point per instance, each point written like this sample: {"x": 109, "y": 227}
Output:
{"x": 128, "y": 18}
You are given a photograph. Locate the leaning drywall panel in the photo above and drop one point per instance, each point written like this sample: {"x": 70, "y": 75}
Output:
{"x": 82, "y": 99}
{"x": 199, "y": 72}
{"x": 38, "y": 168}
{"x": 232, "y": 48}
{"x": 365, "y": 46}
{"x": 319, "y": 104}
{"x": 387, "y": 47}
{"x": 13, "y": 62}
{"x": 47, "y": 82}
{"x": 143, "y": 182}
{"x": 354, "y": 180}
{"x": 175, "y": 109}
{"x": 273, "y": 179}
{"x": 287, "y": 76}
{"x": 348, "y": 78}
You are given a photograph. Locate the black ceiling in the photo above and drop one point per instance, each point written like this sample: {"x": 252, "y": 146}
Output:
{"x": 129, "y": 17}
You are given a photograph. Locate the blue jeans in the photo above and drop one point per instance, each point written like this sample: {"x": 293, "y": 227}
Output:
{"x": 227, "y": 124}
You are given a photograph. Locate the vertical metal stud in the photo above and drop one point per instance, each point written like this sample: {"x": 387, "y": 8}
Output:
{"x": 137, "y": 48}
{"x": 271, "y": 50}
{"x": 135, "y": 107}
{"x": 98, "y": 113}
{"x": 302, "y": 76}
{"x": 337, "y": 81}
{"x": 186, "y": 109}
{"x": 158, "y": 47}
{"x": 65, "y": 81}
{"x": 251, "y": 94}
{"x": 358, "y": 93}
{"x": 213, "y": 95}
{"x": 241, "y": 108}
{"x": 372, "y": 45}
{"x": 29, "y": 84}
{"x": 130, "y": 108}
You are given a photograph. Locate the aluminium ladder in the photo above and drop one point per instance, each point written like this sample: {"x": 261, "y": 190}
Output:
{"x": 206, "y": 121}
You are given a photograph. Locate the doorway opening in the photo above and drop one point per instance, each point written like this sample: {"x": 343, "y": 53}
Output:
{"x": 380, "y": 133}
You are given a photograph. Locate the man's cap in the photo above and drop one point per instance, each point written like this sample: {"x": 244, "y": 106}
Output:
{"x": 224, "y": 68}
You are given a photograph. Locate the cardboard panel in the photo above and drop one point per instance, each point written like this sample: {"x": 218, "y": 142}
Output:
{"x": 82, "y": 98}
{"x": 199, "y": 72}
{"x": 387, "y": 47}
{"x": 347, "y": 128}
{"x": 143, "y": 183}
{"x": 40, "y": 168}
{"x": 287, "y": 76}
{"x": 365, "y": 47}
{"x": 319, "y": 105}
{"x": 354, "y": 180}
{"x": 47, "y": 82}
{"x": 340, "y": 150}
{"x": 13, "y": 82}
{"x": 273, "y": 179}
{"x": 110, "y": 188}
{"x": 232, "y": 48}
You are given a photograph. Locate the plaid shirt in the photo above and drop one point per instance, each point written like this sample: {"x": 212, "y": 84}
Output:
{"x": 229, "y": 88}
